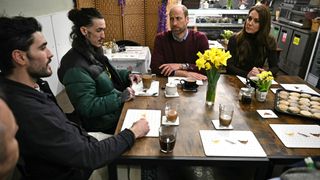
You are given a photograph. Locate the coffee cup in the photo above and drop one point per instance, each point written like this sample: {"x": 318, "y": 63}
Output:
{"x": 146, "y": 80}
{"x": 167, "y": 138}
{"x": 171, "y": 89}
{"x": 189, "y": 83}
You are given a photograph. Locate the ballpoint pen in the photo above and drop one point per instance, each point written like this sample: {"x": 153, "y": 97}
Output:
{"x": 302, "y": 134}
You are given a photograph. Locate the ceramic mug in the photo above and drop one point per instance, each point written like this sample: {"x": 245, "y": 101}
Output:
{"x": 171, "y": 89}
{"x": 189, "y": 83}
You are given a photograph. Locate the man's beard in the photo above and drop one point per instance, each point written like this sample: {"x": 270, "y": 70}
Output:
{"x": 179, "y": 31}
{"x": 36, "y": 72}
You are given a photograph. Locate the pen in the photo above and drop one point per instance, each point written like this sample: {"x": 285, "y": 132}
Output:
{"x": 302, "y": 134}
{"x": 229, "y": 141}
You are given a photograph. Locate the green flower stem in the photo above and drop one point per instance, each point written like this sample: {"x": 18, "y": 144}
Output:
{"x": 213, "y": 77}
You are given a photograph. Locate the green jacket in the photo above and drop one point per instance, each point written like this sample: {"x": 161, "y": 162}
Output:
{"x": 91, "y": 90}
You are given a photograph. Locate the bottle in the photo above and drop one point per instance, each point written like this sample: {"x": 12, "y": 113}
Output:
{"x": 229, "y": 4}
{"x": 205, "y": 5}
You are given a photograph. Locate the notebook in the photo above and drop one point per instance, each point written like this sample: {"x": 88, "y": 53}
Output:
{"x": 152, "y": 116}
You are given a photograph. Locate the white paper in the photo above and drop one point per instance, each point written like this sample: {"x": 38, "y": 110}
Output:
{"x": 215, "y": 44}
{"x": 134, "y": 48}
{"x": 216, "y": 125}
{"x": 294, "y": 135}
{"x": 152, "y": 91}
{"x": 176, "y": 80}
{"x": 244, "y": 81}
{"x": 152, "y": 116}
{"x": 227, "y": 143}
{"x": 267, "y": 113}
{"x": 274, "y": 90}
{"x": 119, "y": 56}
{"x": 299, "y": 88}
{"x": 165, "y": 122}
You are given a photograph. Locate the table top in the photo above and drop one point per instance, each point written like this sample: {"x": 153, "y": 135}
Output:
{"x": 195, "y": 115}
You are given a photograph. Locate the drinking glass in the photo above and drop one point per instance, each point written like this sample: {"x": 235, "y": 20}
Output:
{"x": 171, "y": 111}
{"x": 225, "y": 114}
{"x": 146, "y": 81}
{"x": 167, "y": 138}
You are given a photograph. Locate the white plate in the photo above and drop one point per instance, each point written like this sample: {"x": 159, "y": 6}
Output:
{"x": 217, "y": 125}
{"x": 153, "y": 91}
{"x": 173, "y": 95}
{"x": 165, "y": 122}
{"x": 267, "y": 113}
{"x": 176, "y": 80}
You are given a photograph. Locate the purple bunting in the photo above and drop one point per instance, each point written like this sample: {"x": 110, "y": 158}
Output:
{"x": 162, "y": 25}
{"x": 122, "y": 3}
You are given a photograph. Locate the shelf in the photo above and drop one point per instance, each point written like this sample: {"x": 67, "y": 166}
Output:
{"x": 218, "y": 25}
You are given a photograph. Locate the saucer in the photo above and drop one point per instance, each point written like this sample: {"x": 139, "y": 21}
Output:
{"x": 173, "y": 95}
{"x": 217, "y": 125}
{"x": 165, "y": 122}
{"x": 189, "y": 89}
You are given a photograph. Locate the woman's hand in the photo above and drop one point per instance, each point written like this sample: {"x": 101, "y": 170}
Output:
{"x": 254, "y": 71}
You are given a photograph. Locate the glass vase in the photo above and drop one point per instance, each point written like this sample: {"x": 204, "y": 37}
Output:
{"x": 213, "y": 77}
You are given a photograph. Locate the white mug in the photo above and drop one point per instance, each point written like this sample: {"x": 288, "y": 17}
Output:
{"x": 171, "y": 89}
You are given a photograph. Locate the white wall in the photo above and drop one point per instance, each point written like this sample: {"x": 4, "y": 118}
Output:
{"x": 56, "y": 27}
{"x": 33, "y": 7}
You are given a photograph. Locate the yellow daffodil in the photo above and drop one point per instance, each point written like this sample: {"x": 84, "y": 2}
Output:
{"x": 213, "y": 57}
{"x": 264, "y": 80}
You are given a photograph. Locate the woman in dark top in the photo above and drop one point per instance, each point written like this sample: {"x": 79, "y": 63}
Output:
{"x": 253, "y": 45}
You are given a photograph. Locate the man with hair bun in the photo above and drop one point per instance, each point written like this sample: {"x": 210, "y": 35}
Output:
{"x": 95, "y": 88}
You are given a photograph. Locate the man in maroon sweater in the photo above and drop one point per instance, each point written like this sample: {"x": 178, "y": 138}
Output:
{"x": 175, "y": 51}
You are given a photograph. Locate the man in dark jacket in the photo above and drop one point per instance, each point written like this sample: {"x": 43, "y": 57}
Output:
{"x": 51, "y": 146}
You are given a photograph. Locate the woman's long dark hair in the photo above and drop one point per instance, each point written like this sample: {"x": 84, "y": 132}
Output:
{"x": 262, "y": 38}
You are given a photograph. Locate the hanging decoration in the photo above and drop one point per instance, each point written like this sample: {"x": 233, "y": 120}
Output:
{"x": 162, "y": 25}
{"x": 122, "y": 4}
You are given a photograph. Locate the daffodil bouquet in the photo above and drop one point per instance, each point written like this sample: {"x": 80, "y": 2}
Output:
{"x": 212, "y": 60}
{"x": 264, "y": 81}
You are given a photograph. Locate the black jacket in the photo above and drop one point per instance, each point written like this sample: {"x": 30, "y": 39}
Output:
{"x": 51, "y": 146}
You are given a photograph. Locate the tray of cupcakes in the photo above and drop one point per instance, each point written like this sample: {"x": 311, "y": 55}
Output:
{"x": 298, "y": 103}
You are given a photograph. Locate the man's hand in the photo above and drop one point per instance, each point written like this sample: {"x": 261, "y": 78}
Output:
{"x": 194, "y": 75}
{"x": 197, "y": 76}
{"x": 140, "y": 128}
{"x": 167, "y": 69}
{"x": 135, "y": 78}
{"x": 127, "y": 94}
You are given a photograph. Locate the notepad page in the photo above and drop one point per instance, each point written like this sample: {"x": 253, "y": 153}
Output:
{"x": 298, "y": 135}
{"x": 152, "y": 116}
{"x": 228, "y": 143}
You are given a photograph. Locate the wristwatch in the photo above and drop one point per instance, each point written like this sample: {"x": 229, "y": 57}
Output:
{"x": 185, "y": 66}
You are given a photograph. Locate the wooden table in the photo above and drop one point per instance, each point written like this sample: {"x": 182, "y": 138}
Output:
{"x": 195, "y": 116}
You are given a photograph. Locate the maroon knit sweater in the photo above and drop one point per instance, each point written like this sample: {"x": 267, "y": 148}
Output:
{"x": 168, "y": 50}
